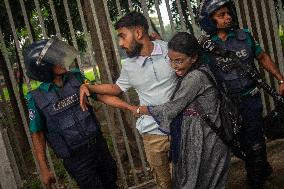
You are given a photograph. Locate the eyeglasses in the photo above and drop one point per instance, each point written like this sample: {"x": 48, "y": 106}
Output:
{"x": 177, "y": 62}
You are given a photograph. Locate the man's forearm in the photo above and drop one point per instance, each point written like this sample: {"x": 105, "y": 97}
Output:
{"x": 115, "y": 102}
{"x": 39, "y": 143}
{"x": 107, "y": 89}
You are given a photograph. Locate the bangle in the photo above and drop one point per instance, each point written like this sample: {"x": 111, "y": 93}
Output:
{"x": 138, "y": 110}
{"x": 280, "y": 82}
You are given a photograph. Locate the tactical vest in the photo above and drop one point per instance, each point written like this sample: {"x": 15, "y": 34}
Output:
{"x": 68, "y": 127}
{"x": 234, "y": 81}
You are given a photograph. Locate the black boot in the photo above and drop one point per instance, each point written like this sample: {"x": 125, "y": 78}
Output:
{"x": 257, "y": 166}
{"x": 268, "y": 171}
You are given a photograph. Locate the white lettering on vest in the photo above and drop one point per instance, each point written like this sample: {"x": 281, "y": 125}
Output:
{"x": 68, "y": 101}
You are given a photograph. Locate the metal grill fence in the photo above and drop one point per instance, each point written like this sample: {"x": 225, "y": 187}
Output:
{"x": 263, "y": 17}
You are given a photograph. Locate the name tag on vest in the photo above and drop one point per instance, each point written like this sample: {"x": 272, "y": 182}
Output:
{"x": 66, "y": 102}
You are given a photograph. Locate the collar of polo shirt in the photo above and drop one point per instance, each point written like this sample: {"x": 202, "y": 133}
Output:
{"x": 156, "y": 51}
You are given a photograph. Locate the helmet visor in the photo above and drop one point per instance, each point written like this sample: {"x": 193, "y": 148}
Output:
{"x": 57, "y": 52}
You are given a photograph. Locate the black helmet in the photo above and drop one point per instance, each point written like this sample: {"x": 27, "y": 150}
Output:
{"x": 41, "y": 56}
{"x": 208, "y": 7}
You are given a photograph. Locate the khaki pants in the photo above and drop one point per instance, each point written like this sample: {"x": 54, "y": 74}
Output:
{"x": 157, "y": 152}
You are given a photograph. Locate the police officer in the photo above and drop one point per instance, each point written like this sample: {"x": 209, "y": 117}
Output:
{"x": 218, "y": 19}
{"x": 56, "y": 117}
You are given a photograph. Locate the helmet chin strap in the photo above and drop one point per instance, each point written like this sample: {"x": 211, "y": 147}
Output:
{"x": 59, "y": 75}
{"x": 232, "y": 27}
{"x": 227, "y": 29}
{"x": 58, "y": 79}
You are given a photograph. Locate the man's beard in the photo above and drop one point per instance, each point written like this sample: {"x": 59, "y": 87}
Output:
{"x": 136, "y": 49}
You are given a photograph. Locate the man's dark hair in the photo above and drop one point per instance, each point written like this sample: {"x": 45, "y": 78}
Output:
{"x": 185, "y": 43}
{"x": 132, "y": 19}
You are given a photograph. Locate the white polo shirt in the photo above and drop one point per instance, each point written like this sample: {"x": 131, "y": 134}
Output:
{"x": 153, "y": 79}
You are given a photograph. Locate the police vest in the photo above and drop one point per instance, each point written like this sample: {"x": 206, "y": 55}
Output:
{"x": 68, "y": 127}
{"x": 234, "y": 81}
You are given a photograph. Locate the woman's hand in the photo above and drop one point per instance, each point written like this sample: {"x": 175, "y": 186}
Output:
{"x": 84, "y": 93}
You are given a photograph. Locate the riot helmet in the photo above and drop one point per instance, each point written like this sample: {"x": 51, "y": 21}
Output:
{"x": 41, "y": 56}
{"x": 206, "y": 10}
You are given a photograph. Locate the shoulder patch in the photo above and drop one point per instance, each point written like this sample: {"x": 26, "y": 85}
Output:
{"x": 241, "y": 34}
{"x": 246, "y": 30}
{"x": 28, "y": 96}
{"x": 31, "y": 114}
{"x": 75, "y": 70}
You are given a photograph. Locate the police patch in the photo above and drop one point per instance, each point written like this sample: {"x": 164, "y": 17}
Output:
{"x": 31, "y": 114}
{"x": 66, "y": 102}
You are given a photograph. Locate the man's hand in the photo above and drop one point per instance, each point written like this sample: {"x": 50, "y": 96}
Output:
{"x": 48, "y": 178}
{"x": 84, "y": 93}
{"x": 139, "y": 110}
{"x": 281, "y": 89}
{"x": 133, "y": 109}
{"x": 143, "y": 110}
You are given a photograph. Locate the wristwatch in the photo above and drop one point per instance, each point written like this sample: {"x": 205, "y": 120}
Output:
{"x": 280, "y": 82}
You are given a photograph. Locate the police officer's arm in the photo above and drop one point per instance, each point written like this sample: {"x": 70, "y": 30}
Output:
{"x": 36, "y": 126}
{"x": 265, "y": 60}
{"x": 39, "y": 144}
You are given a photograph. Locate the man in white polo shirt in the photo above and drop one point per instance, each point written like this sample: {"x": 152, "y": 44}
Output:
{"x": 148, "y": 71}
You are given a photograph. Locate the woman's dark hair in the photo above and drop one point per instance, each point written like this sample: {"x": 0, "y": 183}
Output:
{"x": 132, "y": 19}
{"x": 185, "y": 43}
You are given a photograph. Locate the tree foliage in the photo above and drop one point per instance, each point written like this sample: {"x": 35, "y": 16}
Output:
{"x": 185, "y": 13}
{"x": 114, "y": 13}
{"x": 33, "y": 19}
{"x": 72, "y": 4}
{"x": 62, "y": 19}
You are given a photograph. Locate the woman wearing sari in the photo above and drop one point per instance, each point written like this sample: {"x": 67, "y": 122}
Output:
{"x": 200, "y": 158}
